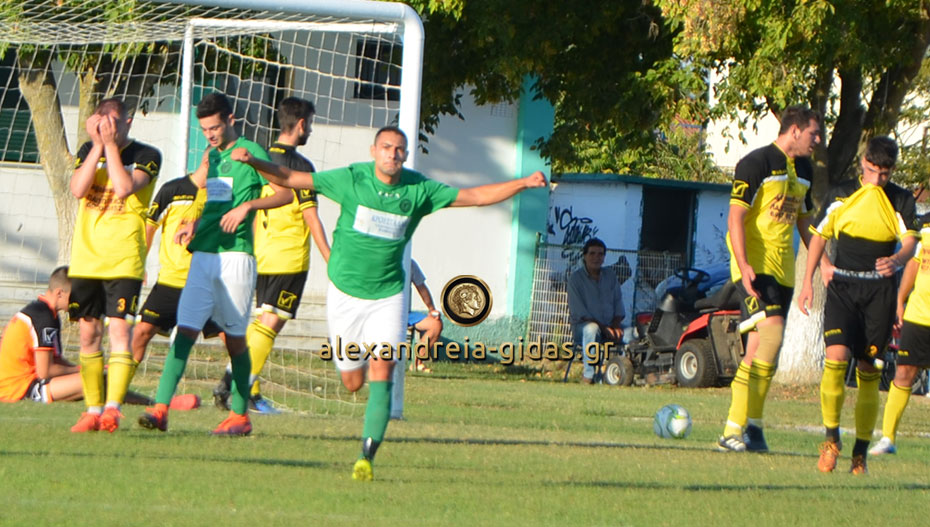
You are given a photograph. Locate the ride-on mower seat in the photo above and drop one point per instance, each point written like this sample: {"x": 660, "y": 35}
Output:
{"x": 725, "y": 299}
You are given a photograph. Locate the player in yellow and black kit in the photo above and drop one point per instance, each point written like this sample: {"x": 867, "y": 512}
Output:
{"x": 770, "y": 197}
{"x": 866, "y": 218}
{"x": 114, "y": 178}
{"x": 282, "y": 251}
{"x": 914, "y": 349}
{"x": 177, "y": 203}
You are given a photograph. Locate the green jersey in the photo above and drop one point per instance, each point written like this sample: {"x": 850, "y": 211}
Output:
{"x": 375, "y": 223}
{"x": 229, "y": 184}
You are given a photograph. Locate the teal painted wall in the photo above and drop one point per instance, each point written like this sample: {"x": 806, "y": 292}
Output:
{"x": 535, "y": 120}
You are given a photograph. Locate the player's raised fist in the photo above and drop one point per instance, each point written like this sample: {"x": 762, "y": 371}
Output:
{"x": 535, "y": 180}
{"x": 240, "y": 154}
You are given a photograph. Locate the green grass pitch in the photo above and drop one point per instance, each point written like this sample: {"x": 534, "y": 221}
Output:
{"x": 480, "y": 446}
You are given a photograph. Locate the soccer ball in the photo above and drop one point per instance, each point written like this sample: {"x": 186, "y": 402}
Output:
{"x": 672, "y": 422}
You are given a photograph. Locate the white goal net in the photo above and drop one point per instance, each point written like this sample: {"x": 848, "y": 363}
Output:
{"x": 358, "y": 62}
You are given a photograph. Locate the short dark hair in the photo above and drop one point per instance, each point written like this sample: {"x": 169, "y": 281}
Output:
{"x": 113, "y": 103}
{"x": 798, "y": 115}
{"x": 593, "y": 242}
{"x": 291, "y": 110}
{"x": 59, "y": 279}
{"x": 212, "y": 104}
{"x": 391, "y": 128}
{"x": 882, "y": 152}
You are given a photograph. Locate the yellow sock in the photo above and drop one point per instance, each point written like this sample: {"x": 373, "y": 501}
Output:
{"x": 894, "y": 409}
{"x": 832, "y": 391}
{"x": 132, "y": 370}
{"x": 760, "y": 379}
{"x": 119, "y": 375}
{"x": 867, "y": 403}
{"x": 260, "y": 339}
{"x": 92, "y": 378}
{"x": 739, "y": 389}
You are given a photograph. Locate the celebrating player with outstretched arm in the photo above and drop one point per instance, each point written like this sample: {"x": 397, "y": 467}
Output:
{"x": 381, "y": 205}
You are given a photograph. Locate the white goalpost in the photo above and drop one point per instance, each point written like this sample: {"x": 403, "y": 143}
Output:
{"x": 358, "y": 61}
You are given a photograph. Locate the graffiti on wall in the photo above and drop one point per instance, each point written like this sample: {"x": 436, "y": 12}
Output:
{"x": 568, "y": 229}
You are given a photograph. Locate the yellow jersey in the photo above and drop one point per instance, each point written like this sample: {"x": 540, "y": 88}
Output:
{"x": 775, "y": 189}
{"x": 109, "y": 234}
{"x": 177, "y": 203}
{"x": 282, "y": 237}
{"x": 918, "y": 304}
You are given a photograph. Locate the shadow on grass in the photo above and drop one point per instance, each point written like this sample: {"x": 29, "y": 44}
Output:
{"x": 741, "y": 487}
{"x": 540, "y": 442}
{"x": 211, "y": 459}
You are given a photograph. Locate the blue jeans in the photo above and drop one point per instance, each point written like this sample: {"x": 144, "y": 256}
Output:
{"x": 586, "y": 333}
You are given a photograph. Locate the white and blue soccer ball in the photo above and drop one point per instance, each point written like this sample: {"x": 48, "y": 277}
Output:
{"x": 672, "y": 422}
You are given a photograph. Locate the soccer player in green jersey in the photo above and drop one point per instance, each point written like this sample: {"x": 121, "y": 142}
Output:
{"x": 282, "y": 251}
{"x": 381, "y": 205}
{"x": 221, "y": 278}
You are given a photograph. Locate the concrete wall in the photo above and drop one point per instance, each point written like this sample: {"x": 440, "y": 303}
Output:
{"x": 451, "y": 242}
{"x": 610, "y": 208}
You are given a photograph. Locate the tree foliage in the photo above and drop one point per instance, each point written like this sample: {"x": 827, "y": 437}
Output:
{"x": 856, "y": 61}
{"x": 597, "y": 62}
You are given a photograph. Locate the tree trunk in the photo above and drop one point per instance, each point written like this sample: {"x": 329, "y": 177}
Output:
{"x": 844, "y": 144}
{"x": 37, "y": 85}
{"x": 886, "y": 101}
{"x": 802, "y": 352}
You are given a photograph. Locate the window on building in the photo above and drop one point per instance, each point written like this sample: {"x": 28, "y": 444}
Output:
{"x": 377, "y": 70}
{"x": 668, "y": 219}
{"x": 17, "y": 140}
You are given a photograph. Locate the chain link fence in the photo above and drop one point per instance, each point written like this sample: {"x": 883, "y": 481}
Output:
{"x": 639, "y": 273}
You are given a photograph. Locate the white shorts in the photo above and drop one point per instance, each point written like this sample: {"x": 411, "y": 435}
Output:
{"x": 363, "y": 322}
{"x": 219, "y": 287}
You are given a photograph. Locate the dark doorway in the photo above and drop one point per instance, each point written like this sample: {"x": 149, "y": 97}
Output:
{"x": 668, "y": 217}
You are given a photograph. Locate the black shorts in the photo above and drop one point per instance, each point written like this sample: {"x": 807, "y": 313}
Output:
{"x": 915, "y": 345}
{"x": 161, "y": 310}
{"x": 161, "y": 307}
{"x": 859, "y": 314}
{"x": 95, "y": 298}
{"x": 280, "y": 293}
{"x": 774, "y": 301}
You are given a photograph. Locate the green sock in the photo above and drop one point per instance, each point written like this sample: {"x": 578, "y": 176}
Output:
{"x": 241, "y": 368}
{"x": 174, "y": 368}
{"x": 377, "y": 412}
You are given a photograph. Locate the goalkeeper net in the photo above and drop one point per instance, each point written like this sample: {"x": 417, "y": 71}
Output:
{"x": 357, "y": 61}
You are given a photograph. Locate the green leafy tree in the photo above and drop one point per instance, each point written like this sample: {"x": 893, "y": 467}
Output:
{"x": 126, "y": 70}
{"x": 597, "y": 62}
{"x": 855, "y": 61}
{"x": 131, "y": 71}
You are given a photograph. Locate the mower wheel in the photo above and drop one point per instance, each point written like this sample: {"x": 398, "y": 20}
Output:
{"x": 695, "y": 365}
{"x": 618, "y": 371}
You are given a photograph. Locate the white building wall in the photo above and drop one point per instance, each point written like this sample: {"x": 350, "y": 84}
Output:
{"x": 710, "y": 244}
{"x": 449, "y": 243}
{"x": 469, "y": 241}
